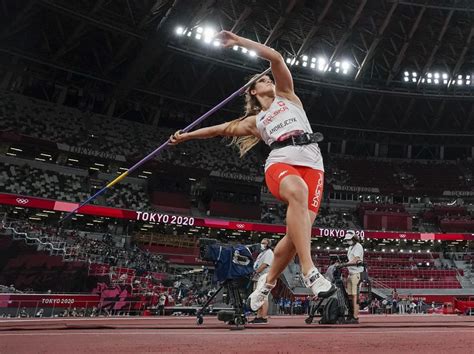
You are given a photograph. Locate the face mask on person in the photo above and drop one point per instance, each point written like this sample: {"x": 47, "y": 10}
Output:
{"x": 263, "y": 246}
{"x": 350, "y": 242}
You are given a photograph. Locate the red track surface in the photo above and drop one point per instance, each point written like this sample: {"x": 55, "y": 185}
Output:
{"x": 375, "y": 334}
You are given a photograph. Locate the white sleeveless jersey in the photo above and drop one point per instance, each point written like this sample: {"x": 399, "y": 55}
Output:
{"x": 280, "y": 121}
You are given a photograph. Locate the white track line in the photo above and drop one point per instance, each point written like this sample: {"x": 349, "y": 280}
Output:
{"x": 224, "y": 332}
{"x": 174, "y": 318}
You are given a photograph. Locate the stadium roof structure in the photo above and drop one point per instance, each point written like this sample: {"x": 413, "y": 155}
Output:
{"x": 367, "y": 66}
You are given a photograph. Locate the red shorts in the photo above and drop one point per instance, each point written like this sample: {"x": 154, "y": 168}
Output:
{"x": 313, "y": 178}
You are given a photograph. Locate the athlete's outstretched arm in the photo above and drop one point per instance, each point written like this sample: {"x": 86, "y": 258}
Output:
{"x": 242, "y": 127}
{"x": 281, "y": 73}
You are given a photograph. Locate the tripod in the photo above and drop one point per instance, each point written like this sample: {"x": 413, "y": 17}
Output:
{"x": 236, "y": 314}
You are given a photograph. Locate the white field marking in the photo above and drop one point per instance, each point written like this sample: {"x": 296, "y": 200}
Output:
{"x": 186, "y": 322}
{"x": 223, "y": 332}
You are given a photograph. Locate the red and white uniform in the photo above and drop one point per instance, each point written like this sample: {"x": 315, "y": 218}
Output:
{"x": 280, "y": 121}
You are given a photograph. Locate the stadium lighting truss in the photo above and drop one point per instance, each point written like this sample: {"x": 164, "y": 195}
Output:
{"x": 321, "y": 64}
{"x": 204, "y": 34}
{"x": 437, "y": 78}
{"x": 344, "y": 67}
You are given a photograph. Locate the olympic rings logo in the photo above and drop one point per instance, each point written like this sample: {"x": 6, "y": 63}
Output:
{"x": 240, "y": 226}
{"x": 22, "y": 201}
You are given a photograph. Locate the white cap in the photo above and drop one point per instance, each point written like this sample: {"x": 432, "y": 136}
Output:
{"x": 349, "y": 235}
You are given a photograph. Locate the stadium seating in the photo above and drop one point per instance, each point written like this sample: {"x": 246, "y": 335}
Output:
{"x": 66, "y": 125}
{"x": 61, "y": 124}
{"x": 27, "y": 180}
{"x": 401, "y": 270}
{"x": 396, "y": 176}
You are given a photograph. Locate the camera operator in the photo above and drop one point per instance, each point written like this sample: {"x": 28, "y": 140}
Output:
{"x": 262, "y": 266}
{"x": 355, "y": 255}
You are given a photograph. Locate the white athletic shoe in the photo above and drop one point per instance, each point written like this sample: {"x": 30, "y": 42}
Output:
{"x": 258, "y": 297}
{"x": 320, "y": 286}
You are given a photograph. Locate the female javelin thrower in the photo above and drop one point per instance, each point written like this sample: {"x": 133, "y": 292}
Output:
{"x": 294, "y": 169}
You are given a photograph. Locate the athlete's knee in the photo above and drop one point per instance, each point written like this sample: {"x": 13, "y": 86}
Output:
{"x": 299, "y": 196}
{"x": 287, "y": 251}
{"x": 296, "y": 192}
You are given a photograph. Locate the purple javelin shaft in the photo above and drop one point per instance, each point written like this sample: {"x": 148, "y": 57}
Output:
{"x": 199, "y": 120}
{"x": 162, "y": 146}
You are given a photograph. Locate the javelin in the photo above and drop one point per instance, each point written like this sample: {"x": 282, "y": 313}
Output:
{"x": 162, "y": 146}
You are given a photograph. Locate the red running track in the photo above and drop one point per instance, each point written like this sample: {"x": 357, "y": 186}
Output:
{"x": 375, "y": 334}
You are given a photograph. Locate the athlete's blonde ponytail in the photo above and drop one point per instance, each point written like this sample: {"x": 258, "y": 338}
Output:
{"x": 252, "y": 107}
